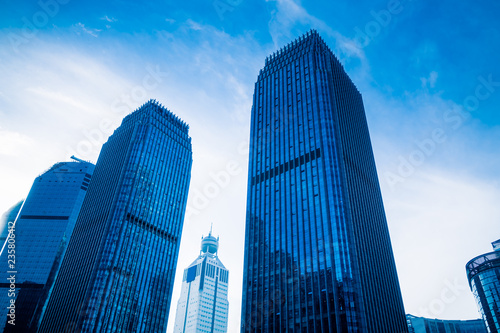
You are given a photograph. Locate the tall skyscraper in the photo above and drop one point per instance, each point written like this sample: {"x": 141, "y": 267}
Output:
{"x": 38, "y": 242}
{"x": 203, "y": 305}
{"x": 118, "y": 273}
{"x": 483, "y": 273}
{"x": 318, "y": 256}
{"x": 427, "y": 325}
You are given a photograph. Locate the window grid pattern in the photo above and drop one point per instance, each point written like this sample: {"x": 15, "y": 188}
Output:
{"x": 203, "y": 305}
{"x": 42, "y": 230}
{"x": 120, "y": 267}
{"x": 314, "y": 203}
{"x": 427, "y": 325}
{"x": 483, "y": 273}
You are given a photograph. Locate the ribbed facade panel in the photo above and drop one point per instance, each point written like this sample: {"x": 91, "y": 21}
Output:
{"x": 318, "y": 256}
{"x": 119, "y": 270}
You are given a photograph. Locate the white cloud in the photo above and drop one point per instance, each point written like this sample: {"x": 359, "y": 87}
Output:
{"x": 52, "y": 99}
{"x": 437, "y": 222}
{"x": 109, "y": 19}
{"x": 290, "y": 20}
{"x": 430, "y": 81}
{"x": 90, "y": 31}
{"x": 433, "y": 78}
{"x": 194, "y": 25}
{"x": 444, "y": 212}
{"x": 13, "y": 143}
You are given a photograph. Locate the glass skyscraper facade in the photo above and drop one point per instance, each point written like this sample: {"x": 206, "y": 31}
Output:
{"x": 483, "y": 273}
{"x": 318, "y": 256}
{"x": 118, "y": 272}
{"x": 203, "y": 305}
{"x": 41, "y": 233}
{"x": 427, "y": 325}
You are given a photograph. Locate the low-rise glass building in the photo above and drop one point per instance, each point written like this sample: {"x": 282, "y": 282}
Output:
{"x": 427, "y": 325}
{"x": 483, "y": 273}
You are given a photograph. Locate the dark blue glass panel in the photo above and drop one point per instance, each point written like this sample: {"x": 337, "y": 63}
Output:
{"x": 483, "y": 273}
{"x": 191, "y": 274}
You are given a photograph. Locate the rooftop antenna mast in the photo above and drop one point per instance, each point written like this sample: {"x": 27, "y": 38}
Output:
{"x": 77, "y": 159}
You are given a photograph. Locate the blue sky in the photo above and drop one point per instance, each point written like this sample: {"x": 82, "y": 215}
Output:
{"x": 428, "y": 73}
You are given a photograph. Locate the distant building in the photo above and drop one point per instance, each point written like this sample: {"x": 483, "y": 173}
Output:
{"x": 483, "y": 273}
{"x": 203, "y": 305}
{"x": 426, "y": 325}
{"x": 318, "y": 255}
{"x": 41, "y": 234}
{"x": 9, "y": 216}
{"x": 118, "y": 272}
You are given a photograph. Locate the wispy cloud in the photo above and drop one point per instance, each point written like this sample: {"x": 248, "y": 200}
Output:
{"x": 194, "y": 25}
{"x": 290, "y": 20}
{"x": 56, "y": 97}
{"x": 90, "y": 31}
{"x": 109, "y": 19}
{"x": 429, "y": 81}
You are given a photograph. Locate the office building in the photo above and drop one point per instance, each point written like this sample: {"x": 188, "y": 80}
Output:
{"x": 318, "y": 256}
{"x": 426, "y": 325}
{"x": 203, "y": 305}
{"x": 118, "y": 273}
{"x": 483, "y": 273}
{"x": 40, "y": 237}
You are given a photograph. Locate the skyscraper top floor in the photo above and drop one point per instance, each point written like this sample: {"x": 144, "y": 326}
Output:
{"x": 297, "y": 49}
{"x": 157, "y": 113}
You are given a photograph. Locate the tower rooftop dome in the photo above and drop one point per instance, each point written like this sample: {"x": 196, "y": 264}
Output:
{"x": 209, "y": 244}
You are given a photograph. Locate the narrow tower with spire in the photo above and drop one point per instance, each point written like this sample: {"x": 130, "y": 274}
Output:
{"x": 203, "y": 305}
